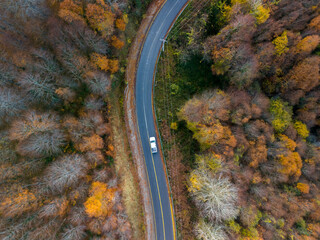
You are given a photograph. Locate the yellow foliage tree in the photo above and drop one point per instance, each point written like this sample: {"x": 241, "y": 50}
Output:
{"x": 174, "y": 126}
{"x": 101, "y": 199}
{"x": 261, "y": 14}
{"x": 195, "y": 183}
{"x": 301, "y": 128}
{"x": 281, "y": 43}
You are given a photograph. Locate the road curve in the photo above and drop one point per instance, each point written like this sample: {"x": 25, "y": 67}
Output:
{"x": 163, "y": 215}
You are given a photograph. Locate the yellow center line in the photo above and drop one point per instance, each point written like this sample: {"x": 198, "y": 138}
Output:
{"x": 155, "y": 173}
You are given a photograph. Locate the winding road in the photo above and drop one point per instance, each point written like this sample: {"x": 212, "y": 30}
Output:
{"x": 162, "y": 207}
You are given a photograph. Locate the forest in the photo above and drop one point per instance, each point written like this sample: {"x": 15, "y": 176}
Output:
{"x": 237, "y": 93}
{"x": 249, "y": 158}
{"x": 58, "y": 62}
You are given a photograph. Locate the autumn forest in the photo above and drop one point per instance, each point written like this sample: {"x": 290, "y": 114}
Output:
{"x": 57, "y": 63}
{"x": 241, "y": 139}
{"x": 250, "y": 168}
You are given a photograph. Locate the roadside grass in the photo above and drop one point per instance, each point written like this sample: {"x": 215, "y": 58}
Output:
{"x": 123, "y": 161}
{"x": 125, "y": 167}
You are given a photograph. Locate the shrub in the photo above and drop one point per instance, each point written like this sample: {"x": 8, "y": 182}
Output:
{"x": 174, "y": 126}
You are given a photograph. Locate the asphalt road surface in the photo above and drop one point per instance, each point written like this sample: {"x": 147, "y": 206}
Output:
{"x": 163, "y": 215}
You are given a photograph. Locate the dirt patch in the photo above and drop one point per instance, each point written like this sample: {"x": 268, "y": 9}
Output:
{"x": 130, "y": 115}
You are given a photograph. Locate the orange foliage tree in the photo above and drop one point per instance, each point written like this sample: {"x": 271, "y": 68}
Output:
{"x": 121, "y": 24}
{"x": 303, "y": 187}
{"x": 71, "y": 10}
{"x": 113, "y": 65}
{"x": 305, "y": 75}
{"x": 104, "y": 63}
{"x": 100, "y": 61}
{"x": 91, "y": 143}
{"x": 308, "y": 44}
{"x": 291, "y": 164}
{"x": 101, "y": 18}
{"x": 101, "y": 200}
{"x": 116, "y": 42}
{"x": 18, "y": 204}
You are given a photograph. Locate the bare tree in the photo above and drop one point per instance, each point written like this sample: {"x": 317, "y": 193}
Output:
{"x": 7, "y": 74}
{"x": 205, "y": 231}
{"x": 24, "y": 8}
{"x": 33, "y": 122}
{"x": 40, "y": 89}
{"x": 216, "y": 197}
{"x": 46, "y": 63}
{"x": 45, "y": 230}
{"x": 54, "y": 208}
{"x": 98, "y": 83}
{"x": 7, "y": 153}
{"x": 11, "y": 103}
{"x": 42, "y": 144}
{"x": 74, "y": 232}
{"x": 93, "y": 103}
{"x": 77, "y": 215}
{"x": 86, "y": 39}
{"x": 65, "y": 172}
